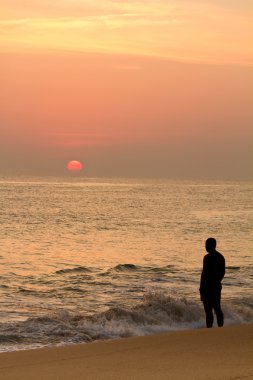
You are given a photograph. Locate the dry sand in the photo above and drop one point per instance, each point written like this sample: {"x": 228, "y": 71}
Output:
{"x": 218, "y": 353}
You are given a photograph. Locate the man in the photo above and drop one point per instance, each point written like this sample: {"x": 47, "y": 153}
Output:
{"x": 210, "y": 283}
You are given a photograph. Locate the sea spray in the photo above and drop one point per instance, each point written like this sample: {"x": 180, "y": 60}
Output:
{"x": 157, "y": 312}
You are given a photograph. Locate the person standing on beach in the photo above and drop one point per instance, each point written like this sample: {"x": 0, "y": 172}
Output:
{"x": 210, "y": 283}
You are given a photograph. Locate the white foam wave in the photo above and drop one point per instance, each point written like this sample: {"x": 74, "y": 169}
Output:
{"x": 158, "y": 312}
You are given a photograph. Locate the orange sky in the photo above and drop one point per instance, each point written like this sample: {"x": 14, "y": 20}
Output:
{"x": 152, "y": 88}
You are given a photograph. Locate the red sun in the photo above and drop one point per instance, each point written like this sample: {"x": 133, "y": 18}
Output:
{"x": 74, "y": 166}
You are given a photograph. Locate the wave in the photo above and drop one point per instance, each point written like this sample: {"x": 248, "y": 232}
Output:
{"x": 9, "y": 338}
{"x": 157, "y": 312}
{"x": 80, "y": 269}
{"x": 125, "y": 267}
{"x": 128, "y": 267}
{"x": 133, "y": 267}
{"x": 73, "y": 289}
{"x": 168, "y": 268}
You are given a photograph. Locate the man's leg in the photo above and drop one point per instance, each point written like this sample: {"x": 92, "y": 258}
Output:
{"x": 218, "y": 312}
{"x": 209, "y": 313}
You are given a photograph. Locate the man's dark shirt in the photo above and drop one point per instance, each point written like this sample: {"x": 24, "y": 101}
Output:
{"x": 212, "y": 275}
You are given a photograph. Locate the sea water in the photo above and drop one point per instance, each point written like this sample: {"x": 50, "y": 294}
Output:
{"x": 85, "y": 259}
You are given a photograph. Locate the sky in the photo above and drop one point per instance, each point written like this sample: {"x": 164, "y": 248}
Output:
{"x": 129, "y": 88}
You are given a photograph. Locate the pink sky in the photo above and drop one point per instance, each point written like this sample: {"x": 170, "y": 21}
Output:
{"x": 128, "y": 88}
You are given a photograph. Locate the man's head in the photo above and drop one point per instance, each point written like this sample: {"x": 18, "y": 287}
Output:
{"x": 210, "y": 244}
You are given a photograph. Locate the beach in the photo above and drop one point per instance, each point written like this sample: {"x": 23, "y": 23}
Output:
{"x": 218, "y": 353}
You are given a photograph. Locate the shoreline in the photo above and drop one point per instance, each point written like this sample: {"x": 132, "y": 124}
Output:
{"x": 218, "y": 353}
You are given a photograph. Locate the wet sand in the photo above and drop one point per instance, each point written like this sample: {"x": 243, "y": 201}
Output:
{"x": 217, "y": 354}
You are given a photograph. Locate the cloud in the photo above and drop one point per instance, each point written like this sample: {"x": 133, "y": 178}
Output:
{"x": 109, "y": 21}
{"x": 209, "y": 32}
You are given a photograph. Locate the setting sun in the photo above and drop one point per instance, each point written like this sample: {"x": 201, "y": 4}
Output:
{"x": 74, "y": 166}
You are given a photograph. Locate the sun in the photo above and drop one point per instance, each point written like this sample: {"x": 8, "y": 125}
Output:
{"x": 74, "y": 166}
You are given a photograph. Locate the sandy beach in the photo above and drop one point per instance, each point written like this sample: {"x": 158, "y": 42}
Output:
{"x": 225, "y": 353}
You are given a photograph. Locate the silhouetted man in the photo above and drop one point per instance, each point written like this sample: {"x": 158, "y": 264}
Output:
{"x": 210, "y": 283}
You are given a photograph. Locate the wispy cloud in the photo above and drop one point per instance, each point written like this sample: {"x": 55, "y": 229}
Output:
{"x": 206, "y": 31}
{"x": 91, "y": 24}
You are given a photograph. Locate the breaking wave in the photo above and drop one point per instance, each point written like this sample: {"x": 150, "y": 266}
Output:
{"x": 73, "y": 270}
{"x": 158, "y": 312}
{"x": 125, "y": 267}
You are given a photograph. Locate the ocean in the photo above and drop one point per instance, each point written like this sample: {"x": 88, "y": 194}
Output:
{"x": 86, "y": 259}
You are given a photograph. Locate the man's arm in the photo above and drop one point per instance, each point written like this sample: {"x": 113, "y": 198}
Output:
{"x": 203, "y": 276}
{"x": 222, "y": 269}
